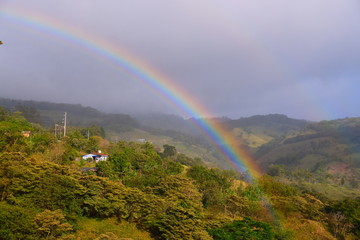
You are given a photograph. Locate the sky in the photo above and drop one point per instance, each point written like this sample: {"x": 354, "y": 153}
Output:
{"x": 235, "y": 58}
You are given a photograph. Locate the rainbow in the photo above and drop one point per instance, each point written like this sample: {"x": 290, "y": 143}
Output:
{"x": 139, "y": 71}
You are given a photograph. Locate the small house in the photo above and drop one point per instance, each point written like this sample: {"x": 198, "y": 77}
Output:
{"x": 101, "y": 157}
{"x": 97, "y": 157}
{"x": 88, "y": 156}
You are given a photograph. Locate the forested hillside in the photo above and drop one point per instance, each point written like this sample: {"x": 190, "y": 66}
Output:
{"x": 323, "y": 156}
{"x": 317, "y": 146}
{"x": 117, "y": 127}
{"x": 146, "y": 193}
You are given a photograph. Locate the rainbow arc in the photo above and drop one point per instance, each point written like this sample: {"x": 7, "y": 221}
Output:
{"x": 142, "y": 72}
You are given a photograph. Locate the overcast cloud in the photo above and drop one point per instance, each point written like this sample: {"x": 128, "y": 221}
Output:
{"x": 238, "y": 58}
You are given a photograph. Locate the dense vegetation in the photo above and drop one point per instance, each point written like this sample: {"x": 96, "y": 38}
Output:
{"x": 323, "y": 157}
{"x": 144, "y": 192}
{"x": 157, "y": 128}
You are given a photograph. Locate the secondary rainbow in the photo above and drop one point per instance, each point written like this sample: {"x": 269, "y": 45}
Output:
{"x": 139, "y": 71}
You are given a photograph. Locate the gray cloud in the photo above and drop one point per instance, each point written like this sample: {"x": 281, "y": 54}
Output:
{"x": 237, "y": 58}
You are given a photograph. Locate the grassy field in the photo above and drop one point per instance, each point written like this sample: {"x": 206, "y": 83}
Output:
{"x": 331, "y": 191}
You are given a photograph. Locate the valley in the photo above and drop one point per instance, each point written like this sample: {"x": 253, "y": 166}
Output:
{"x": 174, "y": 183}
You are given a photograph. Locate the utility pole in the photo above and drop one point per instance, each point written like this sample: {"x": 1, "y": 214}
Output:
{"x": 56, "y": 130}
{"x": 64, "y": 124}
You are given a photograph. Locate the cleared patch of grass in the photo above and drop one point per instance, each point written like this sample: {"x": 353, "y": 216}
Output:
{"x": 254, "y": 139}
{"x": 333, "y": 192}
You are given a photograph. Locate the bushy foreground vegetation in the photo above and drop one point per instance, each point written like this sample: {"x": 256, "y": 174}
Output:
{"x": 145, "y": 193}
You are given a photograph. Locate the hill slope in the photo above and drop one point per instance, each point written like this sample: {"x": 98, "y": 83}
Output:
{"x": 258, "y": 130}
{"x": 141, "y": 193}
{"x": 318, "y": 145}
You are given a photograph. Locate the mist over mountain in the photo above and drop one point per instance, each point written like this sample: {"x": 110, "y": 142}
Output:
{"x": 272, "y": 139}
{"x": 163, "y": 121}
{"x": 238, "y": 59}
{"x": 48, "y": 114}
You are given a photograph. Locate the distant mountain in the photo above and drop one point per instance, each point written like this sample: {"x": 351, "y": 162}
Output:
{"x": 258, "y": 130}
{"x": 330, "y": 145}
{"x": 274, "y": 125}
{"x": 47, "y": 114}
{"x": 12, "y": 104}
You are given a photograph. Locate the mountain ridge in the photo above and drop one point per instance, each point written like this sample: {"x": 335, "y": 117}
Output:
{"x": 272, "y": 139}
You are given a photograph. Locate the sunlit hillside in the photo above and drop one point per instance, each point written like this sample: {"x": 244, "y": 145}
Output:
{"x": 49, "y": 191}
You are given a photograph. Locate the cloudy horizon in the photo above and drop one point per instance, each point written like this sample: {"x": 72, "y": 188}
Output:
{"x": 238, "y": 58}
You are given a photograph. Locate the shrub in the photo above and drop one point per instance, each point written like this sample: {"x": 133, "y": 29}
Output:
{"x": 246, "y": 229}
